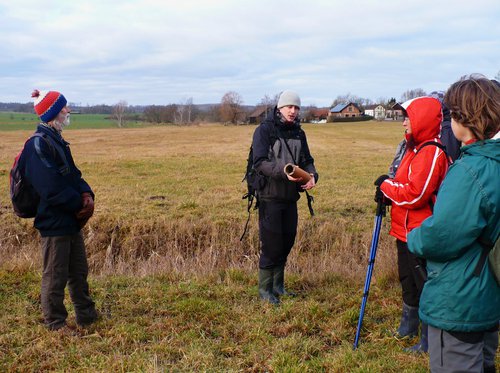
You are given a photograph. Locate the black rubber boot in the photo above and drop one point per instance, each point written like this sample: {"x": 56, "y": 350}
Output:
{"x": 408, "y": 326}
{"x": 279, "y": 283}
{"x": 422, "y": 346}
{"x": 266, "y": 286}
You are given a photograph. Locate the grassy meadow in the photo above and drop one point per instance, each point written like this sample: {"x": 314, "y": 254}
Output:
{"x": 178, "y": 290}
{"x": 24, "y": 121}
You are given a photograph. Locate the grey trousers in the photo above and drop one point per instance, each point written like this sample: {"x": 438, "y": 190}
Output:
{"x": 65, "y": 262}
{"x": 449, "y": 354}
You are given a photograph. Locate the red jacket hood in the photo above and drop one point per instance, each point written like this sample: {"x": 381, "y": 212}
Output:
{"x": 425, "y": 117}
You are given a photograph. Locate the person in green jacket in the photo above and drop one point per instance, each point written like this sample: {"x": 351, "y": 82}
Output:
{"x": 461, "y": 304}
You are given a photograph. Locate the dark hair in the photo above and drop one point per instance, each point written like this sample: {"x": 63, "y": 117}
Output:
{"x": 474, "y": 102}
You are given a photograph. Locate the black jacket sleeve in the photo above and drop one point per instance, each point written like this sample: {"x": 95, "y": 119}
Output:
{"x": 261, "y": 149}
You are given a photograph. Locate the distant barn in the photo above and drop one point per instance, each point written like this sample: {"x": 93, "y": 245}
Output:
{"x": 259, "y": 114}
{"x": 345, "y": 110}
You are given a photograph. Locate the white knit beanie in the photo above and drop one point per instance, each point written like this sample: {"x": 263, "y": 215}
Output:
{"x": 288, "y": 98}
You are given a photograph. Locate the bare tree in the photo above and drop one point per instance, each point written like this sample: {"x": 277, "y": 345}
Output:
{"x": 345, "y": 99}
{"x": 412, "y": 93}
{"x": 497, "y": 77}
{"x": 179, "y": 114}
{"x": 308, "y": 112}
{"x": 382, "y": 101}
{"x": 153, "y": 114}
{"x": 268, "y": 103}
{"x": 213, "y": 114}
{"x": 119, "y": 111}
{"x": 189, "y": 109}
{"x": 230, "y": 107}
{"x": 161, "y": 114}
{"x": 184, "y": 111}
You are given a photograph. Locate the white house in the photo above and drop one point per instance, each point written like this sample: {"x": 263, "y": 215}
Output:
{"x": 376, "y": 111}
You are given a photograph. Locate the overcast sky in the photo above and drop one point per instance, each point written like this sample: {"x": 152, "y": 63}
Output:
{"x": 161, "y": 52}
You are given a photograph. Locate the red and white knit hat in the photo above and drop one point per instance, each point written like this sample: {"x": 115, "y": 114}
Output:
{"x": 48, "y": 104}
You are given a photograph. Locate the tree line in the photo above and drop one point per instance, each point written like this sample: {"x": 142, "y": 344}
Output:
{"x": 230, "y": 109}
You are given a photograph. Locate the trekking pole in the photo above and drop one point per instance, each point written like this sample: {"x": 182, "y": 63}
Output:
{"x": 373, "y": 251}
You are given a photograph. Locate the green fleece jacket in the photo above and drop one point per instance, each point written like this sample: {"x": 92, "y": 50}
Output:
{"x": 468, "y": 206}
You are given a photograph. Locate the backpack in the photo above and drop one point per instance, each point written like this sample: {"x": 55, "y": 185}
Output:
{"x": 256, "y": 181}
{"x": 24, "y": 197}
{"x": 491, "y": 251}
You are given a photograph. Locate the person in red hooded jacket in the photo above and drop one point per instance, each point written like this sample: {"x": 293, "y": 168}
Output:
{"x": 412, "y": 193}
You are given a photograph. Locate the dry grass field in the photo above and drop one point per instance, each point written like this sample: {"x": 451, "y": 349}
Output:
{"x": 169, "y": 199}
{"x": 178, "y": 290}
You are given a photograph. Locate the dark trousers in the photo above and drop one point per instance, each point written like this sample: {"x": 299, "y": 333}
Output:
{"x": 65, "y": 262}
{"x": 412, "y": 274}
{"x": 277, "y": 230}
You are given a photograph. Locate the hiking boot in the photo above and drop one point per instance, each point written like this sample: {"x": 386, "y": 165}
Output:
{"x": 422, "y": 346}
{"x": 408, "y": 326}
{"x": 85, "y": 322}
{"x": 279, "y": 282}
{"x": 266, "y": 286}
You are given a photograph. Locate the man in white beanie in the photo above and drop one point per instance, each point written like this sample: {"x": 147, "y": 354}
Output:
{"x": 279, "y": 140}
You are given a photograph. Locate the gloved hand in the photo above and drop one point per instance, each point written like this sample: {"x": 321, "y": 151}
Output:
{"x": 380, "y": 180}
{"x": 380, "y": 197}
{"x": 88, "y": 208}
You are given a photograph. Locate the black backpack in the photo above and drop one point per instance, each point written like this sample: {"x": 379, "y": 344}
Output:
{"x": 24, "y": 198}
{"x": 256, "y": 181}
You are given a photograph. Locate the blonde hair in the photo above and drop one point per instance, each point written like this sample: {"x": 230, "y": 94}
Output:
{"x": 474, "y": 102}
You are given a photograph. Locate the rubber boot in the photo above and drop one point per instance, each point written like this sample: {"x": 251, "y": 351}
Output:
{"x": 266, "y": 286}
{"x": 408, "y": 326}
{"x": 279, "y": 283}
{"x": 422, "y": 346}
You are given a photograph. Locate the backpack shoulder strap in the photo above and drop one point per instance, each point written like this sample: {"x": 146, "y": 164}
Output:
{"x": 487, "y": 247}
{"x": 54, "y": 148}
{"x": 440, "y": 146}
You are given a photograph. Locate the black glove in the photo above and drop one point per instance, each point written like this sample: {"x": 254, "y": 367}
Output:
{"x": 380, "y": 197}
{"x": 381, "y": 179}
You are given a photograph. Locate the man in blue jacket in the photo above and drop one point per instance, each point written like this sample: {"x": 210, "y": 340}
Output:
{"x": 66, "y": 204}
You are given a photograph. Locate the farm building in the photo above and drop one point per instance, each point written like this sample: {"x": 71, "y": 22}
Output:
{"x": 259, "y": 114}
{"x": 345, "y": 110}
{"x": 395, "y": 112}
{"x": 318, "y": 114}
{"x": 377, "y": 111}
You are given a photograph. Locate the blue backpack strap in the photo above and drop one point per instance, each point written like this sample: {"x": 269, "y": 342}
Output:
{"x": 64, "y": 168}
